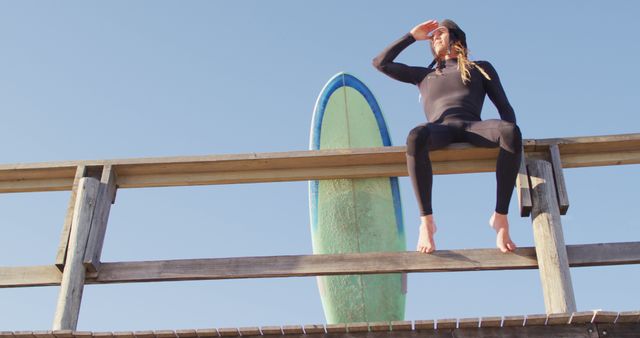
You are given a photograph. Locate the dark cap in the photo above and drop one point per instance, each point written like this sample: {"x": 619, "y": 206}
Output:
{"x": 455, "y": 33}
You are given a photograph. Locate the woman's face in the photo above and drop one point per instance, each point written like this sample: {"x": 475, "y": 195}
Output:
{"x": 440, "y": 41}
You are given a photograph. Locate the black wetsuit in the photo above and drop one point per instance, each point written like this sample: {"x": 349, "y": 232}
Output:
{"x": 453, "y": 111}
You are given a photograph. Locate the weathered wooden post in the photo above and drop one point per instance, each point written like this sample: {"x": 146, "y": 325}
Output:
{"x": 549, "y": 240}
{"x": 73, "y": 276}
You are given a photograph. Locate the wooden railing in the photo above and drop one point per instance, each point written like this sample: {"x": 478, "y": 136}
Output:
{"x": 93, "y": 185}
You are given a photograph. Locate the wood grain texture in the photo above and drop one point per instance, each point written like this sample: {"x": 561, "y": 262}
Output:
{"x": 424, "y": 325}
{"x": 537, "y": 319}
{"x": 605, "y": 317}
{"x": 558, "y": 318}
{"x": 513, "y": 321}
{"x": 206, "y": 333}
{"x": 490, "y": 321}
{"x": 628, "y": 317}
{"x": 523, "y": 188}
{"x": 558, "y": 175}
{"x": 539, "y": 331}
{"x": 380, "y": 326}
{"x": 465, "y": 323}
{"x": 314, "y": 328}
{"x": 446, "y": 323}
{"x": 401, "y": 325}
{"x": 307, "y": 165}
{"x": 106, "y": 197}
{"x": 61, "y": 254}
{"x": 292, "y": 329}
{"x": 73, "y": 276}
{"x": 186, "y": 333}
{"x": 553, "y": 262}
{"x": 358, "y": 327}
{"x": 322, "y": 265}
{"x": 582, "y": 317}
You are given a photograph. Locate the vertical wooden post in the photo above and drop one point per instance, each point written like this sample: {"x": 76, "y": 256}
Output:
{"x": 61, "y": 255}
{"x": 549, "y": 240}
{"x": 73, "y": 276}
{"x": 522, "y": 187}
{"x": 106, "y": 197}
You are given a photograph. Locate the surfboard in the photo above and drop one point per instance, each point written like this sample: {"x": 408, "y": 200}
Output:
{"x": 355, "y": 215}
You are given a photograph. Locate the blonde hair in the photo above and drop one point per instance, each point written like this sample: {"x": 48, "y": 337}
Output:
{"x": 464, "y": 64}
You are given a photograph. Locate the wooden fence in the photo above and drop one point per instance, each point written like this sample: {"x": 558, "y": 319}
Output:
{"x": 542, "y": 195}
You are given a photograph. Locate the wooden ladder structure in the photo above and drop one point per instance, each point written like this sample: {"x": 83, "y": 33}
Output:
{"x": 542, "y": 195}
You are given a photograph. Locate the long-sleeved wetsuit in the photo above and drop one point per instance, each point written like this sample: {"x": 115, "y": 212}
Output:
{"x": 453, "y": 111}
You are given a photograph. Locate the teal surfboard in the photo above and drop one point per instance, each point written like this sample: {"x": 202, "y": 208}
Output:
{"x": 355, "y": 215}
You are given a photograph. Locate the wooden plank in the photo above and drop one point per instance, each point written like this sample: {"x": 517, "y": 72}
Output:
{"x": 106, "y": 197}
{"x": 62, "y": 333}
{"x": 604, "y": 317}
{"x": 566, "y": 330}
{"x": 165, "y": 334}
{"x": 490, "y": 321}
{"x": 271, "y": 330}
{"x": 582, "y": 317}
{"x": 23, "y": 334}
{"x": 123, "y": 334}
{"x": 292, "y": 329}
{"x": 323, "y": 265}
{"x": 206, "y": 333}
{"x": 424, "y": 325}
{"x": 523, "y": 188}
{"x": 558, "y": 175}
{"x": 82, "y": 334}
{"x": 553, "y": 263}
{"x": 186, "y": 333}
{"x": 380, "y": 326}
{"x": 628, "y": 317}
{"x": 61, "y": 255}
{"x": 558, "y": 318}
{"x": 305, "y": 165}
{"x": 446, "y": 323}
{"x": 314, "y": 328}
{"x": 250, "y": 331}
{"x": 19, "y": 276}
{"x": 73, "y": 277}
{"x": 401, "y": 325}
{"x": 594, "y": 254}
{"x": 538, "y": 319}
{"x": 336, "y": 328}
{"x": 357, "y": 327}
{"x": 513, "y": 321}
{"x": 313, "y": 265}
{"x": 465, "y": 323}
{"x": 144, "y": 334}
{"x": 102, "y": 335}
{"x": 43, "y": 334}
{"x": 229, "y": 332}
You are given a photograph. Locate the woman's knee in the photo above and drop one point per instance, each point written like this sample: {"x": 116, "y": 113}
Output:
{"x": 511, "y": 136}
{"x": 417, "y": 139}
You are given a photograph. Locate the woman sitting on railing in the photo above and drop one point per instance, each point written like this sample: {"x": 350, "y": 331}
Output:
{"x": 452, "y": 96}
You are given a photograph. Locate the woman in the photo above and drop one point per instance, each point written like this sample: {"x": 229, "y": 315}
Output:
{"x": 452, "y": 95}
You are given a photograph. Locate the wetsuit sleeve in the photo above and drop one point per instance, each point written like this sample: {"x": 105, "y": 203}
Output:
{"x": 401, "y": 72}
{"x": 496, "y": 93}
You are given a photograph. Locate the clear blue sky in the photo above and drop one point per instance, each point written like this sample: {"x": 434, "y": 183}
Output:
{"x": 122, "y": 79}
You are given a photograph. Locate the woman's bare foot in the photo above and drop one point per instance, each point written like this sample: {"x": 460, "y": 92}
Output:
{"x": 500, "y": 224}
{"x": 427, "y": 230}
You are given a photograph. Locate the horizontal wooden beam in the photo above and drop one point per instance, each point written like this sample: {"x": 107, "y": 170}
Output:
{"x": 321, "y": 265}
{"x": 577, "y": 324}
{"x": 311, "y": 165}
